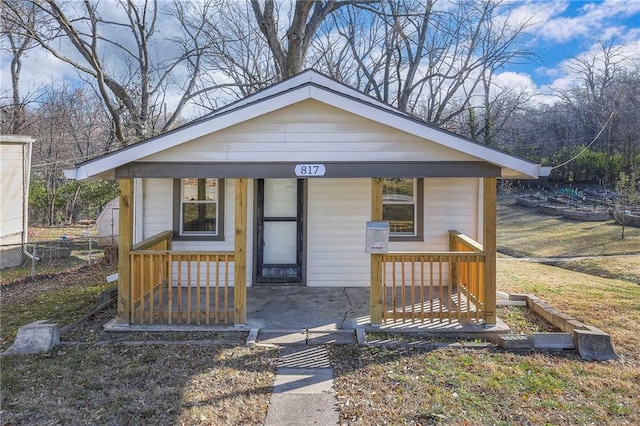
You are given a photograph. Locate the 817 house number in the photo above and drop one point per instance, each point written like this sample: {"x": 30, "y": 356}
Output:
{"x": 310, "y": 170}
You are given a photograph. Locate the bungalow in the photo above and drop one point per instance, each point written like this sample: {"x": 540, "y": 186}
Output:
{"x": 307, "y": 183}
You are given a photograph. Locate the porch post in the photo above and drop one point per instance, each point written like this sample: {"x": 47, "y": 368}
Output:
{"x": 375, "y": 310}
{"x": 240, "y": 271}
{"x": 489, "y": 246}
{"x": 125, "y": 239}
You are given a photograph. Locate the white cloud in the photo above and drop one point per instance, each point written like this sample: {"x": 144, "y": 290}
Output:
{"x": 625, "y": 55}
{"x": 594, "y": 20}
{"x": 39, "y": 69}
{"x": 517, "y": 81}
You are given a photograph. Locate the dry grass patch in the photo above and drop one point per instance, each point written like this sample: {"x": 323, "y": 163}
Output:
{"x": 62, "y": 298}
{"x": 522, "y": 320}
{"x": 47, "y": 233}
{"x": 446, "y": 386}
{"x": 467, "y": 387}
{"x": 160, "y": 385}
{"x": 491, "y": 386}
{"x": 611, "y": 305}
{"x": 623, "y": 268}
{"x": 525, "y": 232}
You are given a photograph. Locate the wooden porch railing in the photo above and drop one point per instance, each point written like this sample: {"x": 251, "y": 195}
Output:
{"x": 439, "y": 286}
{"x": 179, "y": 287}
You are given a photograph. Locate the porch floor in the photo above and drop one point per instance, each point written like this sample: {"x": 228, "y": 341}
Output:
{"x": 287, "y": 308}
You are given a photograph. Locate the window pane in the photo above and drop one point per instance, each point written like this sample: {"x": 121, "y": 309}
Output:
{"x": 200, "y": 189}
{"x": 398, "y": 190}
{"x": 400, "y": 218}
{"x": 199, "y": 217}
{"x": 280, "y": 197}
{"x": 280, "y": 243}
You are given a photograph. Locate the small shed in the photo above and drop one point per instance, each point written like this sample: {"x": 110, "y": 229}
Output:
{"x": 15, "y": 167}
{"x": 107, "y": 224}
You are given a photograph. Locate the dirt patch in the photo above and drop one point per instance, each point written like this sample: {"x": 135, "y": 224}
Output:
{"x": 91, "y": 330}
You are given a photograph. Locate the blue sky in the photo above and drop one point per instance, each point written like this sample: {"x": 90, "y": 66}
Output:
{"x": 559, "y": 30}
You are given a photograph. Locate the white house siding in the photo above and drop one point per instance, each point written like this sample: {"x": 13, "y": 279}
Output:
{"x": 337, "y": 212}
{"x": 11, "y": 188}
{"x": 15, "y": 158}
{"x": 309, "y": 131}
{"x": 157, "y": 206}
{"x": 158, "y": 217}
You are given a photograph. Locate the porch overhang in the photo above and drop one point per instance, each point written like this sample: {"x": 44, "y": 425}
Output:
{"x": 271, "y": 170}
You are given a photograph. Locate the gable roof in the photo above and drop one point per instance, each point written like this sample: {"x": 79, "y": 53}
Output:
{"x": 307, "y": 85}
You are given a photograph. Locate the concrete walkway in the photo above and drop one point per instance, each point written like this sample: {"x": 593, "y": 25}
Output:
{"x": 303, "y": 391}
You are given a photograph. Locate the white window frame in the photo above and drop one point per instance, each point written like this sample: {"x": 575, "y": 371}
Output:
{"x": 417, "y": 195}
{"x": 179, "y": 232}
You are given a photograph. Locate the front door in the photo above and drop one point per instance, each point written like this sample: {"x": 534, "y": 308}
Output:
{"x": 279, "y": 231}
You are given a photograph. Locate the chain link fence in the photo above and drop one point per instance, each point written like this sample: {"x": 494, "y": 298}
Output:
{"x": 34, "y": 259}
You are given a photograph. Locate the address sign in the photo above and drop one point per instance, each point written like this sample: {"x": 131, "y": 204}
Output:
{"x": 310, "y": 170}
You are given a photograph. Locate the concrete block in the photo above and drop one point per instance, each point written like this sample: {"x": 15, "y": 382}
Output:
{"x": 542, "y": 309}
{"x": 511, "y": 303}
{"x": 502, "y": 295}
{"x": 338, "y": 338}
{"x": 252, "y": 337}
{"x": 520, "y": 297}
{"x": 283, "y": 337}
{"x": 560, "y": 320}
{"x": 553, "y": 341}
{"x": 594, "y": 345}
{"x": 574, "y": 324}
{"x": 515, "y": 341}
{"x": 34, "y": 338}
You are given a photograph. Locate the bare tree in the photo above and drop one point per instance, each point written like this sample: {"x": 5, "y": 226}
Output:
{"x": 627, "y": 188}
{"x": 606, "y": 94}
{"x": 235, "y": 57}
{"x": 16, "y": 42}
{"x": 289, "y": 50}
{"x": 429, "y": 57}
{"x": 133, "y": 78}
{"x": 69, "y": 125}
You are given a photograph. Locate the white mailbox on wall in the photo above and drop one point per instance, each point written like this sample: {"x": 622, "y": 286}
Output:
{"x": 377, "y": 237}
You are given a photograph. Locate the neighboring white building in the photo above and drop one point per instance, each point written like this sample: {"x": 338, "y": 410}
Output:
{"x": 107, "y": 224}
{"x": 15, "y": 166}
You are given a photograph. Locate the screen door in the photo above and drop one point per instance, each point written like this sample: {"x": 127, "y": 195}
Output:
{"x": 279, "y": 231}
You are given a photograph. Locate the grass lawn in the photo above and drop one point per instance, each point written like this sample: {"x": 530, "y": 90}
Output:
{"x": 105, "y": 381}
{"x": 138, "y": 385}
{"x": 469, "y": 387}
{"x": 43, "y": 237}
{"x": 62, "y": 298}
{"x": 205, "y": 384}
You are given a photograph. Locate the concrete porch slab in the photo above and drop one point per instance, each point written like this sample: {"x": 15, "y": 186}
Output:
{"x": 320, "y": 312}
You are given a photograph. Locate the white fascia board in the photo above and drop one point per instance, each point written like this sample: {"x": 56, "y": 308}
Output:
{"x": 105, "y": 166}
{"x": 430, "y": 133}
{"x": 309, "y": 76}
{"x": 16, "y": 139}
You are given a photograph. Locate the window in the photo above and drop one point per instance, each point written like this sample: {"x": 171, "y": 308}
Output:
{"x": 402, "y": 207}
{"x": 198, "y": 211}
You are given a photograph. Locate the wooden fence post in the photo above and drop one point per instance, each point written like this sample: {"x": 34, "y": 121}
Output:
{"x": 489, "y": 246}
{"x": 375, "y": 309}
{"x": 125, "y": 239}
{"x": 240, "y": 271}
